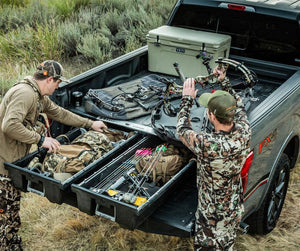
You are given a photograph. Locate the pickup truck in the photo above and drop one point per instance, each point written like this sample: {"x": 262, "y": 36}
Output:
{"x": 265, "y": 39}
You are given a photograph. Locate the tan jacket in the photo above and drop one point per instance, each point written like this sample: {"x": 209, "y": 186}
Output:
{"x": 19, "y": 112}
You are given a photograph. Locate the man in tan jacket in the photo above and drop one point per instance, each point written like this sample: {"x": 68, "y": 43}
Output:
{"x": 19, "y": 111}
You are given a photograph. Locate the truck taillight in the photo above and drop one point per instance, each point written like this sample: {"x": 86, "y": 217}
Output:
{"x": 236, "y": 7}
{"x": 245, "y": 170}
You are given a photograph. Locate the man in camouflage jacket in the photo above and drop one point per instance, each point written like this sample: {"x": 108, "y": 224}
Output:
{"x": 220, "y": 155}
{"x": 19, "y": 111}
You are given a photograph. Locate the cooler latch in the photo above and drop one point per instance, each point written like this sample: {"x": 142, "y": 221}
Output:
{"x": 157, "y": 41}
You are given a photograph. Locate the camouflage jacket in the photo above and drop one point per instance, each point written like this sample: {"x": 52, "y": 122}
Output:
{"x": 19, "y": 112}
{"x": 220, "y": 156}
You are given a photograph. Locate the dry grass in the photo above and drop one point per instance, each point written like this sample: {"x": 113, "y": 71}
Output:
{"x": 48, "y": 226}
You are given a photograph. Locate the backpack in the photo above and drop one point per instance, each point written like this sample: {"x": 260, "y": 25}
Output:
{"x": 171, "y": 161}
{"x": 72, "y": 158}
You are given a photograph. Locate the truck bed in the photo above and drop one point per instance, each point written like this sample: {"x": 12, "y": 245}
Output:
{"x": 270, "y": 77}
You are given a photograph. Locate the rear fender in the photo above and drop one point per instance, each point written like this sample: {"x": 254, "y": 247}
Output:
{"x": 291, "y": 138}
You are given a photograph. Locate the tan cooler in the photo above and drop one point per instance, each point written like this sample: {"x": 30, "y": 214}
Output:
{"x": 167, "y": 45}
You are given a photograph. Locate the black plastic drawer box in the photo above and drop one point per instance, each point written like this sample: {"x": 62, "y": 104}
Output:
{"x": 93, "y": 198}
{"x": 30, "y": 180}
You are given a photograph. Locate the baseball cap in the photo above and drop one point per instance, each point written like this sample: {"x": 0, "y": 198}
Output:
{"x": 220, "y": 103}
{"x": 53, "y": 69}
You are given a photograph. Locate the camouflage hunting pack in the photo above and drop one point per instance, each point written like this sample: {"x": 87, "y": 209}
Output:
{"x": 81, "y": 152}
{"x": 167, "y": 166}
{"x": 126, "y": 101}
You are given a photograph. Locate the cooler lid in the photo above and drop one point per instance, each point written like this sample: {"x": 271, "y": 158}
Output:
{"x": 187, "y": 36}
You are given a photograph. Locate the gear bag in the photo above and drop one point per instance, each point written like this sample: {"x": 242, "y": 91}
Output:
{"x": 171, "y": 161}
{"x": 125, "y": 101}
{"x": 72, "y": 158}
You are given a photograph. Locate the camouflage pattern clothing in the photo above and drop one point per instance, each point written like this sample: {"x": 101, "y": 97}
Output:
{"x": 220, "y": 157}
{"x": 19, "y": 111}
{"x": 9, "y": 215}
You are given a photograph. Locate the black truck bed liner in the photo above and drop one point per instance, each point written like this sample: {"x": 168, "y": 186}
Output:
{"x": 266, "y": 85}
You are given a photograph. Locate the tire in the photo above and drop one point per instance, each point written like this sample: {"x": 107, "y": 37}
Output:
{"x": 265, "y": 219}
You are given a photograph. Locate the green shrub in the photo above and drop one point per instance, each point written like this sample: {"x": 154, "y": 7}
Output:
{"x": 9, "y": 19}
{"x": 46, "y": 40}
{"x": 66, "y": 8}
{"x": 35, "y": 12}
{"x": 109, "y": 5}
{"x": 25, "y": 45}
{"x": 81, "y": 4}
{"x": 38, "y": 12}
{"x": 14, "y": 3}
{"x": 69, "y": 35}
{"x": 10, "y": 73}
{"x": 63, "y": 8}
{"x": 95, "y": 48}
{"x": 85, "y": 32}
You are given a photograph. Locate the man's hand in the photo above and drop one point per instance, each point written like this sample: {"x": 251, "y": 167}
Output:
{"x": 98, "y": 126}
{"x": 219, "y": 73}
{"x": 189, "y": 88}
{"x": 51, "y": 143}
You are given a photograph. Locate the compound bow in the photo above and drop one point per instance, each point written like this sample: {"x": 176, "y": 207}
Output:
{"x": 249, "y": 79}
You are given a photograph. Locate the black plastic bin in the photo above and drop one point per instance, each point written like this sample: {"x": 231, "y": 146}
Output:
{"x": 30, "y": 180}
{"x": 128, "y": 215}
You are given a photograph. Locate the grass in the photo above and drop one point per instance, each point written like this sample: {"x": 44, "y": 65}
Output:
{"x": 48, "y": 226}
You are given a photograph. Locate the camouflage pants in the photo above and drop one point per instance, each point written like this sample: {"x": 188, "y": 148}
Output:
{"x": 9, "y": 216}
{"x": 216, "y": 235}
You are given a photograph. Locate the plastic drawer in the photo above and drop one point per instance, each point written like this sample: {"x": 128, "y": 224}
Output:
{"x": 29, "y": 180}
{"x": 126, "y": 214}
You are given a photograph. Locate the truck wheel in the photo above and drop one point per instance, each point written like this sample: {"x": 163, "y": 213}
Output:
{"x": 265, "y": 219}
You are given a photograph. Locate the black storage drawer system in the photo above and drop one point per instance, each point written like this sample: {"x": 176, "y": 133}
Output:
{"x": 29, "y": 180}
{"x": 83, "y": 190}
{"x": 93, "y": 198}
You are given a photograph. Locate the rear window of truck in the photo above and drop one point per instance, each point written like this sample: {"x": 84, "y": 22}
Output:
{"x": 253, "y": 35}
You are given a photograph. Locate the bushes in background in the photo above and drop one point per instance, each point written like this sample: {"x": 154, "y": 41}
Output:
{"x": 77, "y": 32}
{"x": 92, "y": 30}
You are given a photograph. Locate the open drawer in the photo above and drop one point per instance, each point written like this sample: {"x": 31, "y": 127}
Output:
{"x": 30, "y": 179}
{"x": 122, "y": 194}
